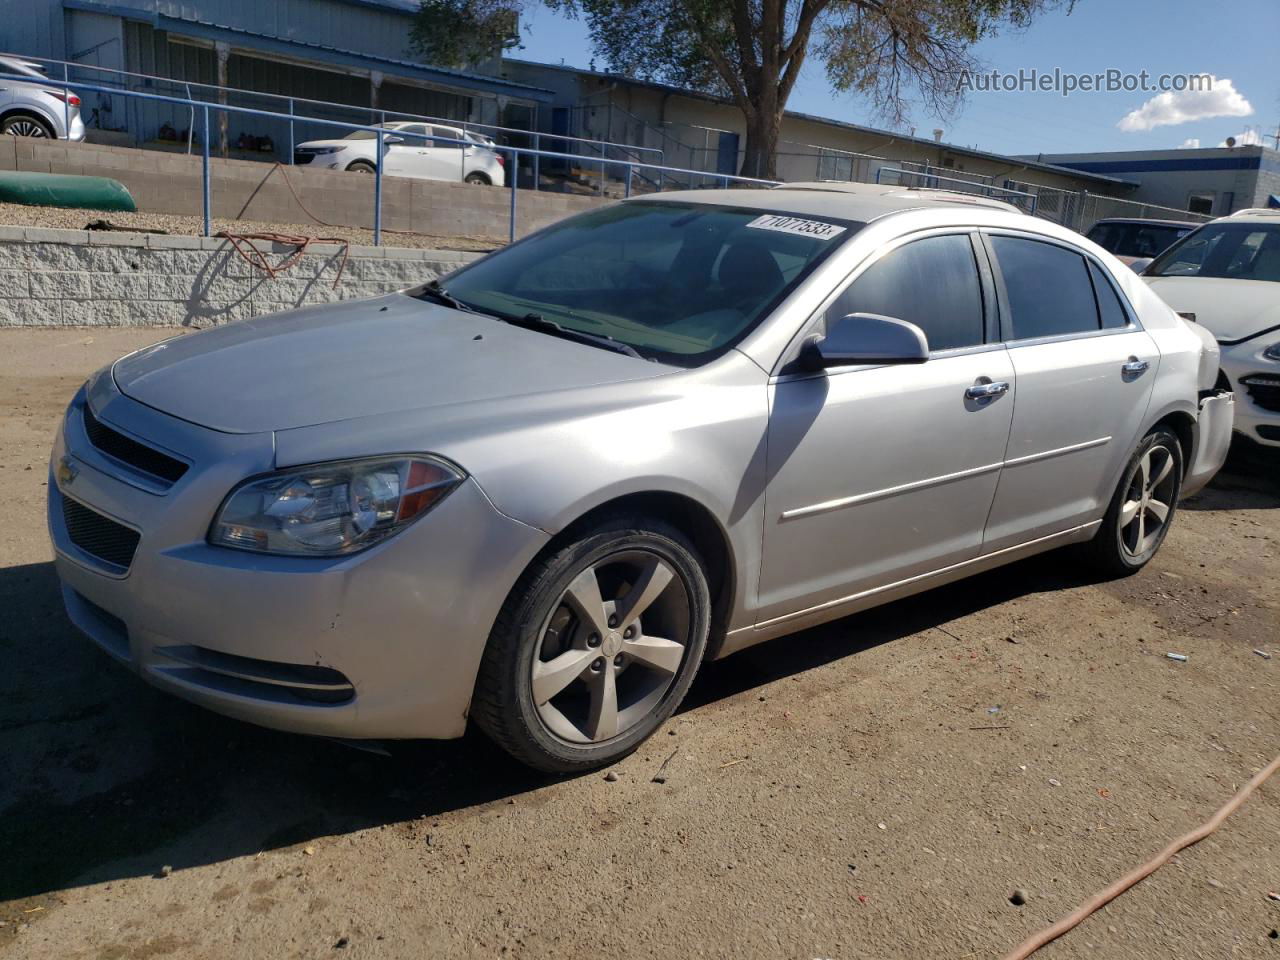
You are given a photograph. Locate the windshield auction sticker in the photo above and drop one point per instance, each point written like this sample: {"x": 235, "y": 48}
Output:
{"x": 801, "y": 228}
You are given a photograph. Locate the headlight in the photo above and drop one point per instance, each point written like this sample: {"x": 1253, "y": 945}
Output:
{"x": 322, "y": 151}
{"x": 332, "y": 508}
{"x": 1272, "y": 352}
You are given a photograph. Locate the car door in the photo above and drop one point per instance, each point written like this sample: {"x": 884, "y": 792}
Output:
{"x": 444, "y": 160}
{"x": 880, "y": 473}
{"x": 402, "y": 157}
{"x": 1084, "y": 369}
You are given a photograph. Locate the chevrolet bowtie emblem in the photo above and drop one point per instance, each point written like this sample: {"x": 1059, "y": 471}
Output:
{"x": 67, "y": 472}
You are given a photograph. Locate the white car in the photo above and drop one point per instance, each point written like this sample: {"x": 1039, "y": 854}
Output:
{"x": 407, "y": 153}
{"x": 1227, "y": 273}
{"x": 36, "y": 108}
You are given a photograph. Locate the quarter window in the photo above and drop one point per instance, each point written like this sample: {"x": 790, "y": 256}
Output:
{"x": 932, "y": 283}
{"x": 1048, "y": 288}
{"x": 1112, "y": 312}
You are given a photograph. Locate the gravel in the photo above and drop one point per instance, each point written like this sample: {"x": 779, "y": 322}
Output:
{"x": 16, "y": 214}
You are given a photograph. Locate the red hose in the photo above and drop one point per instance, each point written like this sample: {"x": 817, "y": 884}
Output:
{"x": 1101, "y": 899}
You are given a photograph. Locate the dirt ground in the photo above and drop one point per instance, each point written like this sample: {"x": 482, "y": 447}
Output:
{"x": 876, "y": 788}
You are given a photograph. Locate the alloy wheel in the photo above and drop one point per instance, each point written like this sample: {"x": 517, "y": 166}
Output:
{"x": 611, "y": 648}
{"x": 22, "y": 127}
{"x": 1148, "y": 501}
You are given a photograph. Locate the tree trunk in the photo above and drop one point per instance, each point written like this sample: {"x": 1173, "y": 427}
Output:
{"x": 761, "y": 155}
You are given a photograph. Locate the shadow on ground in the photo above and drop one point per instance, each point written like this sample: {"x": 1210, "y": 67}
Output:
{"x": 100, "y": 774}
{"x": 1249, "y": 480}
{"x": 102, "y": 777}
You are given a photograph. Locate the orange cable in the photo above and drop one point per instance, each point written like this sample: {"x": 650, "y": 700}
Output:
{"x": 1101, "y": 899}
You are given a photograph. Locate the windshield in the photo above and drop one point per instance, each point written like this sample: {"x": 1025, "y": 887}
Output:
{"x": 1233, "y": 251}
{"x": 679, "y": 282}
{"x": 1136, "y": 239}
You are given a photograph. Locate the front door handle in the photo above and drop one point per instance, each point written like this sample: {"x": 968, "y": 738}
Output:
{"x": 987, "y": 391}
{"x": 1135, "y": 367}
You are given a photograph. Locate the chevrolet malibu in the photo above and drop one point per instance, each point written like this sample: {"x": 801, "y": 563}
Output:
{"x": 537, "y": 495}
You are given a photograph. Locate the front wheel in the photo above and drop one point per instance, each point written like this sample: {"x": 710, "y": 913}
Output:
{"x": 595, "y": 647}
{"x": 362, "y": 166}
{"x": 1142, "y": 508}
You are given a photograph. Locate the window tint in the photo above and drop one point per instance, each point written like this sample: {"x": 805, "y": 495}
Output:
{"x": 932, "y": 283}
{"x": 1048, "y": 287}
{"x": 682, "y": 282}
{"x": 1236, "y": 251}
{"x": 449, "y": 132}
{"x": 1109, "y": 307}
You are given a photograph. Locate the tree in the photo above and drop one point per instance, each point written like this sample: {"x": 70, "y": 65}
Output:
{"x": 752, "y": 51}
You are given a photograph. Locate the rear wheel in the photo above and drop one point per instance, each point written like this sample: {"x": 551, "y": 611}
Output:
{"x": 1142, "y": 508}
{"x": 25, "y": 125}
{"x": 476, "y": 177}
{"x": 362, "y": 166}
{"x": 595, "y": 648}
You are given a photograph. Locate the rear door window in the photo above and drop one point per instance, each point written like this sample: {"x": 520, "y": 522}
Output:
{"x": 1048, "y": 289}
{"x": 932, "y": 283}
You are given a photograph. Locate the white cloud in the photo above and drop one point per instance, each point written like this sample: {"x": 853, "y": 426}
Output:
{"x": 1191, "y": 143}
{"x": 1220, "y": 99}
{"x": 1247, "y": 138}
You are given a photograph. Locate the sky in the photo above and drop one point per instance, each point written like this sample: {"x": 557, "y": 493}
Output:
{"x": 1159, "y": 36}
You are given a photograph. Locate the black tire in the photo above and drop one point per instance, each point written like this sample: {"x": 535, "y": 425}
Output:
{"x": 1115, "y": 550}
{"x": 503, "y": 705}
{"x": 477, "y": 178}
{"x": 361, "y": 166}
{"x": 24, "y": 125}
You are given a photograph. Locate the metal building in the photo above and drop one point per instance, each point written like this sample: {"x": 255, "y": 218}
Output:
{"x": 352, "y": 52}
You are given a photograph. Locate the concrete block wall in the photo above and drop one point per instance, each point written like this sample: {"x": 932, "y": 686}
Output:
{"x": 90, "y": 278}
{"x": 251, "y": 190}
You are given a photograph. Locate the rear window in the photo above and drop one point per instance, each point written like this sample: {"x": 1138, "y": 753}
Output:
{"x": 1136, "y": 239}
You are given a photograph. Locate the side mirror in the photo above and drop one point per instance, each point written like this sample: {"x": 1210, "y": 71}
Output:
{"x": 1137, "y": 266}
{"x": 391, "y": 138}
{"x": 866, "y": 338}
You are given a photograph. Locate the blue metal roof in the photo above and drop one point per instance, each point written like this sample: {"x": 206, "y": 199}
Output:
{"x": 389, "y": 66}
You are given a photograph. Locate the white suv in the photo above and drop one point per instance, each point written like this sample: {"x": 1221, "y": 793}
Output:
{"x": 407, "y": 153}
{"x": 36, "y": 108}
{"x": 1227, "y": 273}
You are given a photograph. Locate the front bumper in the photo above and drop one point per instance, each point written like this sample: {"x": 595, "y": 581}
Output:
{"x": 1257, "y": 408}
{"x": 381, "y": 644}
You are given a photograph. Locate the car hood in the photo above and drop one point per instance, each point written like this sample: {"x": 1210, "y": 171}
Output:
{"x": 358, "y": 359}
{"x": 1232, "y": 310}
{"x": 327, "y": 143}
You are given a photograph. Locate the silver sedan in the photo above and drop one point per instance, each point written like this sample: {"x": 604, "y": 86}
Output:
{"x": 538, "y": 494}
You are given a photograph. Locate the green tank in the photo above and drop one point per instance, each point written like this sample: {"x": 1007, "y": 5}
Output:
{"x": 64, "y": 190}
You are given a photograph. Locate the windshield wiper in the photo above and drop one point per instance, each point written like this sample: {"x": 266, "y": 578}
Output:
{"x": 435, "y": 291}
{"x": 536, "y": 321}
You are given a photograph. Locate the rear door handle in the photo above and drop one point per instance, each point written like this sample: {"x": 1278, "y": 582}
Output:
{"x": 987, "y": 391}
{"x": 1135, "y": 367}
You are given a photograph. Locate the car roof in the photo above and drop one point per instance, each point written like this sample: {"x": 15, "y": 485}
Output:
{"x": 1251, "y": 213}
{"x": 1149, "y": 220}
{"x": 862, "y": 202}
